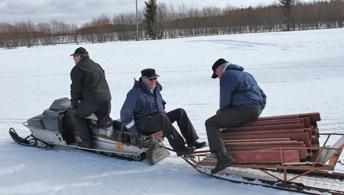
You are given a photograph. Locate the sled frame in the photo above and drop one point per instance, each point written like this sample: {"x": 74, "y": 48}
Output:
{"x": 325, "y": 160}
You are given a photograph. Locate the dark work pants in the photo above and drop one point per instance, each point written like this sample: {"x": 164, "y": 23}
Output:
{"x": 100, "y": 108}
{"x": 163, "y": 121}
{"x": 227, "y": 118}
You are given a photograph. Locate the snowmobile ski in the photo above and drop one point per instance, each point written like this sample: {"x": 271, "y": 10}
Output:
{"x": 29, "y": 140}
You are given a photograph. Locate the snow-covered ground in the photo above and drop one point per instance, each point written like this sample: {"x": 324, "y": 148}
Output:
{"x": 299, "y": 71}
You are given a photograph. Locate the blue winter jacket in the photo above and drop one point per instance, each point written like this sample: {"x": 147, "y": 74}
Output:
{"x": 239, "y": 88}
{"x": 140, "y": 105}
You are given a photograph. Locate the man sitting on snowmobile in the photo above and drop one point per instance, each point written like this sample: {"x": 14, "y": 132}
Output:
{"x": 241, "y": 101}
{"x": 144, "y": 111}
{"x": 90, "y": 93}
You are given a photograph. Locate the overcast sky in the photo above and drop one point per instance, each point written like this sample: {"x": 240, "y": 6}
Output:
{"x": 81, "y": 11}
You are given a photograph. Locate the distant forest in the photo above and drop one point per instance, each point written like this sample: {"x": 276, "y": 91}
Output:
{"x": 172, "y": 23}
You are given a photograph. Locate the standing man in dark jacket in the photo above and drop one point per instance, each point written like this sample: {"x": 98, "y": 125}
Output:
{"x": 241, "y": 101}
{"x": 90, "y": 93}
{"x": 144, "y": 111}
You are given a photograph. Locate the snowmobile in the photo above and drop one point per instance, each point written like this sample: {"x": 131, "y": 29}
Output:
{"x": 54, "y": 127}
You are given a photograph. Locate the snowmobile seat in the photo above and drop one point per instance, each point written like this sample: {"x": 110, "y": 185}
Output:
{"x": 139, "y": 139}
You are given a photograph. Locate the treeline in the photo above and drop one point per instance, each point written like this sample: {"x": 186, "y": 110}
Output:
{"x": 30, "y": 34}
{"x": 172, "y": 23}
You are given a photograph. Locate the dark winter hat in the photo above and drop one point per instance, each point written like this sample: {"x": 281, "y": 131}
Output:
{"x": 79, "y": 51}
{"x": 148, "y": 72}
{"x": 218, "y": 63}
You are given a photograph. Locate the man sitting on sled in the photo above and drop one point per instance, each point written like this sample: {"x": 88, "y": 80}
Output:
{"x": 241, "y": 101}
{"x": 144, "y": 111}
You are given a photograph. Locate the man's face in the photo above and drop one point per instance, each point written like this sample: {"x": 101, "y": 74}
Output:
{"x": 220, "y": 70}
{"x": 76, "y": 58}
{"x": 150, "y": 82}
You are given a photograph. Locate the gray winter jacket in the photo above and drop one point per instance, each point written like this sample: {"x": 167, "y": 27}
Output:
{"x": 140, "y": 105}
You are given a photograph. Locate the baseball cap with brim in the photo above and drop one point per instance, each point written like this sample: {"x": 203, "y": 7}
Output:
{"x": 218, "y": 63}
{"x": 79, "y": 51}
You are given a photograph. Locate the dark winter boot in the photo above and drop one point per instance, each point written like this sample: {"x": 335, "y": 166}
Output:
{"x": 184, "y": 151}
{"x": 197, "y": 144}
{"x": 223, "y": 161}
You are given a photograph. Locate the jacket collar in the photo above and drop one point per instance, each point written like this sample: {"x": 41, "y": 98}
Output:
{"x": 230, "y": 66}
{"x": 139, "y": 84}
{"x": 82, "y": 60}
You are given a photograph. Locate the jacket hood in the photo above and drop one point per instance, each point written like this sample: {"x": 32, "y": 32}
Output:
{"x": 84, "y": 63}
{"x": 234, "y": 67}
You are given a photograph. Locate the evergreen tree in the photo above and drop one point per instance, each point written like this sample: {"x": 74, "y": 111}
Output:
{"x": 150, "y": 19}
{"x": 287, "y": 6}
